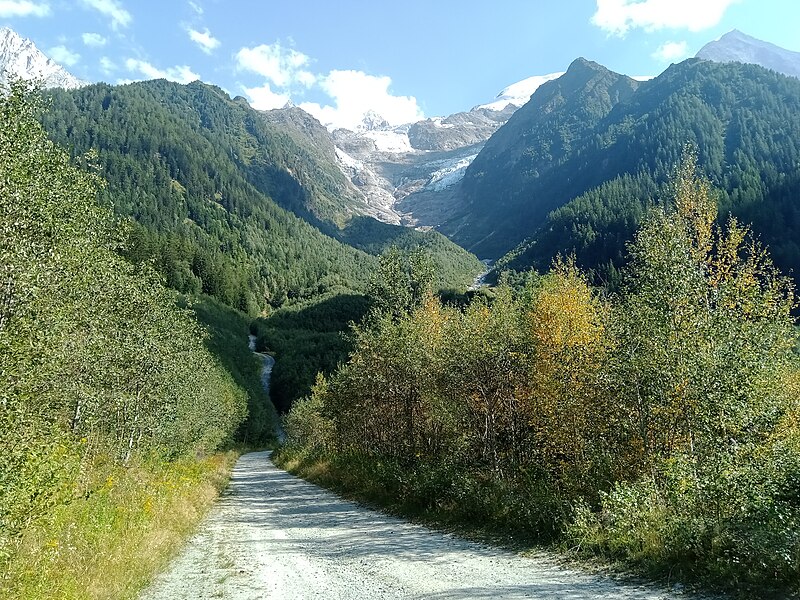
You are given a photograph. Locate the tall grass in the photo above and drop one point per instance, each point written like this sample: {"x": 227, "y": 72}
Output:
{"x": 111, "y": 540}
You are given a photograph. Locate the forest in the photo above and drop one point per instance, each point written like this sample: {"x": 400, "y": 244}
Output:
{"x": 656, "y": 425}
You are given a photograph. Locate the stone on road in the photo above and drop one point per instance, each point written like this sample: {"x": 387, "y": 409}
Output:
{"x": 273, "y": 535}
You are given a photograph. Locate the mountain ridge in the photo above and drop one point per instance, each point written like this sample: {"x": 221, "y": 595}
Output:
{"x": 21, "y": 59}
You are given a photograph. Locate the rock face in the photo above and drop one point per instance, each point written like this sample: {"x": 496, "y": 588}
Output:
{"x": 736, "y": 46}
{"x": 20, "y": 58}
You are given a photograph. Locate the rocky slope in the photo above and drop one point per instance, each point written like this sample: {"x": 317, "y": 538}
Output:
{"x": 409, "y": 172}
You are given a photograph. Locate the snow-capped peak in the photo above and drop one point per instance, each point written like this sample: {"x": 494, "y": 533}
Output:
{"x": 20, "y": 58}
{"x": 518, "y": 93}
{"x": 736, "y": 46}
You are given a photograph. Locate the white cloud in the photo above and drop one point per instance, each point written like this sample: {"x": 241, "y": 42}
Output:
{"x": 354, "y": 93}
{"x": 180, "y": 74}
{"x": 281, "y": 66}
{"x": 617, "y": 17}
{"x": 203, "y": 39}
{"x": 263, "y": 98}
{"x": 94, "y": 39}
{"x": 113, "y": 9}
{"x": 64, "y": 56}
{"x": 671, "y": 51}
{"x": 196, "y": 7}
{"x": 107, "y": 65}
{"x": 23, "y": 8}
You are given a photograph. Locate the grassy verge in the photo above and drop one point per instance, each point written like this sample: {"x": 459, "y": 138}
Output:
{"x": 109, "y": 542}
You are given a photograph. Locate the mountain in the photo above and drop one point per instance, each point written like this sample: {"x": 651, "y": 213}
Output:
{"x": 736, "y": 46}
{"x": 407, "y": 173}
{"x": 217, "y": 191}
{"x": 518, "y": 177}
{"x": 744, "y": 120}
{"x": 20, "y": 58}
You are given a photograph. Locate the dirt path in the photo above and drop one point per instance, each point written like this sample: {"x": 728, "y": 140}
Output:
{"x": 273, "y": 535}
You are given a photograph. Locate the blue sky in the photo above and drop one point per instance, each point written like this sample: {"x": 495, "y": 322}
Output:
{"x": 405, "y": 58}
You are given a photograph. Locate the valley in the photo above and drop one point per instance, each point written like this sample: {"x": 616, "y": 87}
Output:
{"x": 562, "y": 320}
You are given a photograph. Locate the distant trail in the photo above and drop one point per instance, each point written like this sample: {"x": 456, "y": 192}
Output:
{"x": 273, "y": 535}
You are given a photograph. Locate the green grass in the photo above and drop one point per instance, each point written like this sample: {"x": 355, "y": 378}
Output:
{"x": 111, "y": 541}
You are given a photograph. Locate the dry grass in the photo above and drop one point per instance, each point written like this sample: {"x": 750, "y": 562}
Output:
{"x": 110, "y": 543}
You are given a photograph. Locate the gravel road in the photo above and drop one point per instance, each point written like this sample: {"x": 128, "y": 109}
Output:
{"x": 272, "y": 535}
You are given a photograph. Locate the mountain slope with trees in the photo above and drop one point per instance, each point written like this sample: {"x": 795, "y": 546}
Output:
{"x": 519, "y": 175}
{"x": 203, "y": 176}
{"x": 745, "y": 122}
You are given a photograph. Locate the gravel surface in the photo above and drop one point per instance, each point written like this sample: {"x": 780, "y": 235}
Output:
{"x": 272, "y": 535}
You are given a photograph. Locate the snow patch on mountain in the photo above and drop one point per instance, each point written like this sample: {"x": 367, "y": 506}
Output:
{"x": 736, "y": 46}
{"x": 389, "y": 141}
{"x": 450, "y": 173}
{"x": 20, "y": 58}
{"x": 518, "y": 93}
{"x": 347, "y": 161}
{"x": 439, "y": 122}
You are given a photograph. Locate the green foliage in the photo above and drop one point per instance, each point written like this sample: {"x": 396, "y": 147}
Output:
{"x": 307, "y": 338}
{"x": 212, "y": 184}
{"x": 658, "y": 426}
{"x": 96, "y": 358}
{"x": 705, "y": 344}
{"x": 590, "y": 196}
{"x": 452, "y": 266}
{"x": 227, "y": 333}
{"x": 403, "y": 281}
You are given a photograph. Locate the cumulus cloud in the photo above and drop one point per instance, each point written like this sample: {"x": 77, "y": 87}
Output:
{"x": 281, "y": 66}
{"x": 354, "y": 93}
{"x": 112, "y": 9}
{"x": 64, "y": 56}
{"x": 617, "y": 17}
{"x": 23, "y": 8}
{"x": 204, "y": 40}
{"x": 94, "y": 39}
{"x": 263, "y": 98}
{"x": 180, "y": 74}
{"x": 107, "y": 65}
{"x": 671, "y": 51}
